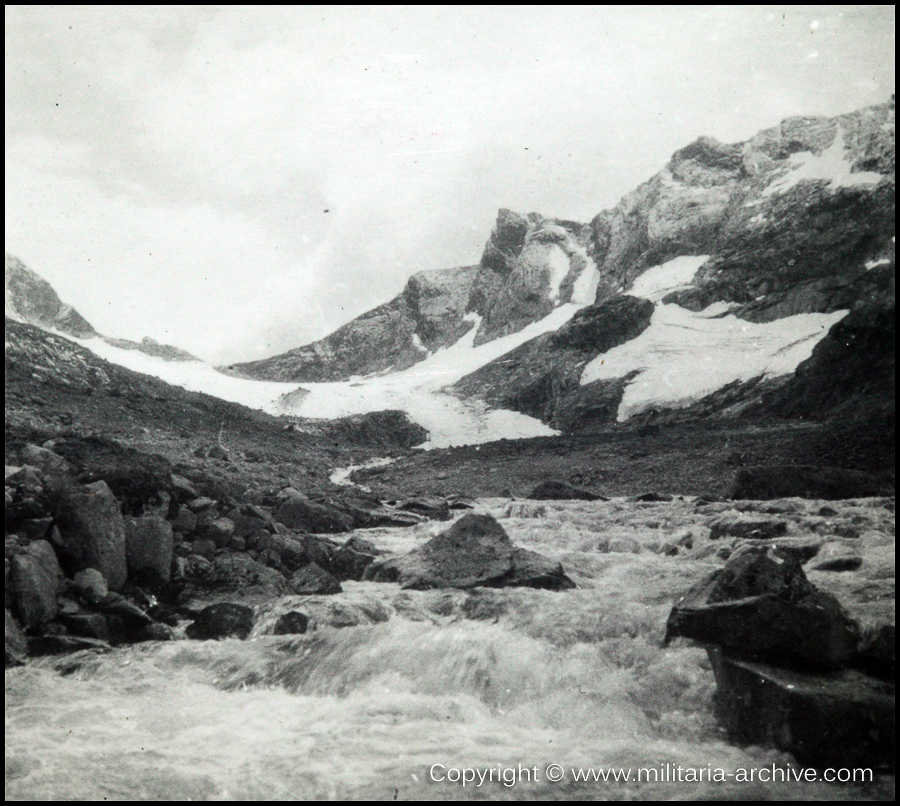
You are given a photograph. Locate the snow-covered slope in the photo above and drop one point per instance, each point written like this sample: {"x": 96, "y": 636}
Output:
{"x": 686, "y": 355}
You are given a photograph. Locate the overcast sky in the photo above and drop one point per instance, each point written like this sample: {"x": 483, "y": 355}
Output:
{"x": 239, "y": 181}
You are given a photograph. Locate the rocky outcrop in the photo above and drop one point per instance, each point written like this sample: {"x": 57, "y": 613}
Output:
{"x": 428, "y": 314}
{"x": 30, "y": 298}
{"x": 149, "y": 543}
{"x": 34, "y": 582}
{"x": 474, "y": 552}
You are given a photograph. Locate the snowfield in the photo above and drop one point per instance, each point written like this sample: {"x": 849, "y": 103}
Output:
{"x": 684, "y": 356}
{"x": 681, "y": 357}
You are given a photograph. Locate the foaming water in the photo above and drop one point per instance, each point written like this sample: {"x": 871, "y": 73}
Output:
{"x": 418, "y": 678}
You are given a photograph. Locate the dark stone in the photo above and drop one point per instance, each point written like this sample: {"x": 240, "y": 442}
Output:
{"x": 88, "y": 625}
{"x": 475, "y": 551}
{"x": 756, "y": 529}
{"x": 352, "y": 559}
{"x": 299, "y": 513}
{"x": 653, "y": 497}
{"x": 559, "y": 491}
{"x": 222, "y": 620}
{"x": 148, "y": 549}
{"x": 430, "y": 506}
{"x": 835, "y": 557}
{"x": 93, "y": 532}
{"x": 291, "y": 623}
{"x": 50, "y": 644}
{"x": 765, "y": 482}
{"x": 827, "y": 719}
{"x": 312, "y": 579}
{"x": 34, "y": 578}
{"x": 241, "y": 574}
{"x": 762, "y": 607}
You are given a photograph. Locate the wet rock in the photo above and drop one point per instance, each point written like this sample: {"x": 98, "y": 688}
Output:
{"x": 835, "y": 557}
{"x": 429, "y": 506}
{"x": 291, "y": 623}
{"x": 239, "y": 573}
{"x": 16, "y": 645}
{"x": 475, "y": 551}
{"x": 50, "y": 644}
{"x": 877, "y": 649}
{"x": 93, "y": 532}
{"x": 352, "y": 559}
{"x": 747, "y": 528}
{"x": 524, "y": 509}
{"x": 88, "y": 625}
{"x": 763, "y": 607}
{"x": 652, "y": 497}
{"x": 765, "y": 482}
{"x": 148, "y": 549}
{"x": 801, "y": 549}
{"x": 559, "y": 491}
{"x": 299, "y": 513}
{"x": 34, "y": 578}
{"x": 837, "y": 719}
{"x": 222, "y": 620}
{"x": 312, "y": 579}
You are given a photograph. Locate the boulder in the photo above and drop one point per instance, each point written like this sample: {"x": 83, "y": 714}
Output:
{"x": 559, "y": 491}
{"x": 760, "y": 606}
{"x": 91, "y": 585}
{"x": 312, "y": 579}
{"x": 87, "y": 625}
{"x": 746, "y": 527}
{"x": 93, "y": 532}
{"x": 184, "y": 521}
{"x": 148, "y": 549}
{"x": 219, "y": 531}
{"x": 239, "y": 573}
{"x": 835, "y": 557}
{"x": 826, "y": 719}
{"x": 248, "y": 520}
{"x": 221, "y": 620}
{"x": 34, "y": 578}
{"x": 299, "y": 513}
{"x": 291, "y": 623}
{"x": 474, "y": 552}
{"x": 429, "y": 506}
{"x": 765, "y": 482}
{"x": 352, "y": 559}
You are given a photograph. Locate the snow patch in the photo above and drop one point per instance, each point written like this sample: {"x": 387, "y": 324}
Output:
{"x": 874, "y": 264}
{"x": 658, "y": 281}
{"x": 832, "y": 164}
{"x": 557, "y": 267}
{"x": 684, "y": 356}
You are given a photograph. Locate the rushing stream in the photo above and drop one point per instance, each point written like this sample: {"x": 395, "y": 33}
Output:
{"x": 490, "y": 680}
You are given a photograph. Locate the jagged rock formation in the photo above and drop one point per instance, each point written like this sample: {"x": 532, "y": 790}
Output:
{"x": 428, "y": 314}
{"x": 31, "y": 299}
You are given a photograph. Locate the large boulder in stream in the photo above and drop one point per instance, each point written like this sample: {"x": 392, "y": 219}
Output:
{"x": 761, "y": 606}
{"x": 474, "y": 552}
{"x": 221, "y": 620}
{"x": 766, "y": 482}
{"x": 834, "y": 719}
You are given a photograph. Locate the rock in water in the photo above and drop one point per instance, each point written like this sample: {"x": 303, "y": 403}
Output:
{"x": 833, "y": 719}
{"x": 93, "y": 532}
{"x": 16, "y": 645}
{"x": 558, "y": 491}
{"x": 299, "y": 513}
{"x": 312, "y": 579}
{"x": 766, "y": 482}
{"x": 474, "y": 552}
{"x": 222, "y": 620}
{"x": 761, "y": 606}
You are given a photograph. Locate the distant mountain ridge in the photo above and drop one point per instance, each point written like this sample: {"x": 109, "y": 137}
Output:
{"x": 797, "y": 221}
{"x": 31, "y": 299}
